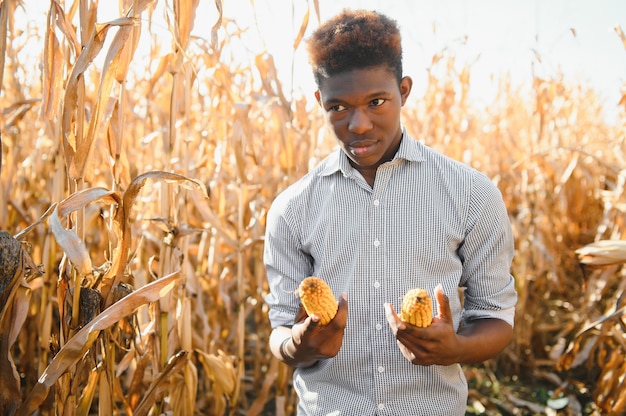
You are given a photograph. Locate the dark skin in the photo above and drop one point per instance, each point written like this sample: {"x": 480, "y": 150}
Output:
{"x": 308, "y": 341}
{"x": 438, "y": 344}
{"x": 363, "y": 107}
{"x": 475, "y": 341}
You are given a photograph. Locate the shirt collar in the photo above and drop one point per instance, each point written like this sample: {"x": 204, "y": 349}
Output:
{"x": 410, "y": 150}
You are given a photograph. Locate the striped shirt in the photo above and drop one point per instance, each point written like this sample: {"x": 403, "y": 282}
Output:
{"x": 428, "y": 220}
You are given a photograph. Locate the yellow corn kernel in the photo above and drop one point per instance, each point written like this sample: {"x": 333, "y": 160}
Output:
{"x": 417, "y": 308}
{"x": 317, "y": 298}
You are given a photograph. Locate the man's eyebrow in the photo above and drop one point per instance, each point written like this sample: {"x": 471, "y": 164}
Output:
{"x": 372, "y": 95}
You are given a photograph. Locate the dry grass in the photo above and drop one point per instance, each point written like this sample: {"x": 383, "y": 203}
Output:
{"x": 133, "y": 198}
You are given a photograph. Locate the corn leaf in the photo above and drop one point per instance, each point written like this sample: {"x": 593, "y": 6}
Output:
{"x": 603, "y": 253}
{"x": 72, "y": 245}
{"x": 76, "y": 346}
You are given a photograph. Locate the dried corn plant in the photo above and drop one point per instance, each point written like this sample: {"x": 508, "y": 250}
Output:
{"x": 148, "y": 300}
{"x": 133, "y": 194}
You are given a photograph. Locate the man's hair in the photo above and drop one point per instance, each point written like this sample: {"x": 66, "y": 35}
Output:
{"x": 355, "y": 39}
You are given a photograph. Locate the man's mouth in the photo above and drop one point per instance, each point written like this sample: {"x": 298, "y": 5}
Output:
{"x": 362, "y": 149}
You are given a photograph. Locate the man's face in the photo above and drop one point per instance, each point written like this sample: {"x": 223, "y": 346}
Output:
{"x": 363, "y": 106}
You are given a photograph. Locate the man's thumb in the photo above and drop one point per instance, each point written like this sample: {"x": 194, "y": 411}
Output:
{"x": 443, "y": 304}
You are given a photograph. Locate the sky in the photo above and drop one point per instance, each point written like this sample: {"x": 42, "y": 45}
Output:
{"x": 574, "y": 37}
{"x": 493, "y": 37}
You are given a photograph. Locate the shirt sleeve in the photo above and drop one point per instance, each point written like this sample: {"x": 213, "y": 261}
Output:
{"x": 487, "y": 253}
{"x": 286, "y": 263}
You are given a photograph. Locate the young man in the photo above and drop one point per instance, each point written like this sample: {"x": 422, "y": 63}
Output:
{"x": 381, "y": 215}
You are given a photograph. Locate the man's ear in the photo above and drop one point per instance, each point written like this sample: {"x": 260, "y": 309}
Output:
{"x": 318, "y": 97}
{"x": 405, "y": 88}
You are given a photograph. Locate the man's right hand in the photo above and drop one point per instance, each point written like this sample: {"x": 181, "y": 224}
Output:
{"x": 311, "y": 342}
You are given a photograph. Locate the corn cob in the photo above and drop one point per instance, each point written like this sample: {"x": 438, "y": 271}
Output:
{"x": 417, "y": 308}
{"x": 317, "y": 298}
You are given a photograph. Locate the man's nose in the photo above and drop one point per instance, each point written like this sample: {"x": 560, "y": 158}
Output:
{"x": 359, "y": 122}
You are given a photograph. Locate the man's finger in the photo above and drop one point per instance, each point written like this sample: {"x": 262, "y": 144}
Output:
{"x": 301, "y": 315}
{"x": 343, "y": 304}
{"x": 392, "y": 317}
{"x": 342, "y": 310}
{"x": 443, "y": 304}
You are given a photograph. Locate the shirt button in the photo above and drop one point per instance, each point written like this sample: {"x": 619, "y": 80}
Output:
{"x": 381, "y": 406}
{"x": 376, "y": 285}
{"x": 381, "y": 369}
{"x": 376, "y": 202}
{"x": 379, "y": 327}
{"x": 376, "y": 243}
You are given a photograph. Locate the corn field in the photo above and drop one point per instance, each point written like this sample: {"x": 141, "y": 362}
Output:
{"x": 133, "y": 195}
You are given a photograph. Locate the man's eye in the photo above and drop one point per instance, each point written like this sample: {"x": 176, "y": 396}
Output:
{"x": 377, "y": 102}
{"x": 337, "y": 108}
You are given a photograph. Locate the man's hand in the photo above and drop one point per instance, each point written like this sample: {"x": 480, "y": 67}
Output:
{"x": 436, "y": 344}
{"x": 476, "y": 341}
{"x": 311, "y": 342}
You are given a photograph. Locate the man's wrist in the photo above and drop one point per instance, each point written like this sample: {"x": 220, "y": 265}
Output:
{"x": 283, "y": 350}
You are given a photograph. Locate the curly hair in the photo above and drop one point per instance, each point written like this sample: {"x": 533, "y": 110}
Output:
{"x": 355, "y": 39}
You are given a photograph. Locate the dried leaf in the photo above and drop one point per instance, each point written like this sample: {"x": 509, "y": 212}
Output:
{"x": 620, "y": 33}
{"x": 137, "y": 7}
{"x": 58, "y": 16}
{"x": 135, "y": 187}
{"x": 16, "y": 112}
{"x": 262, "y": 396}
{"x": 122, "y": 224}
{"x": 70, "y": 100}
{"x": 15, "y": 265}
{"x": 183, "y": 388}
{"x": 603, "y": 253}
{"x": 610, "y": 387}
{"x": 109, "y": 72}
{"x": 567, "y": 173}
{"x": 88, "y": 393}
{"x": 174, "y": 364}
{"x": 128, "y": 52}
{"x": 52, "y": 73}
{"x": 220, "y": 369}
{"x": 69, "y": 241}
{"x": 214, "y": 221}
{"x": 184, "y": 13}
{"x": 76, "y": 346}
{"x": 105, "y": 395}
{"x": 303, "y": 26}
{"x": 316, "y": 5}
{"x": 7, "y": 10}
{"x": 216, "y": 26}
